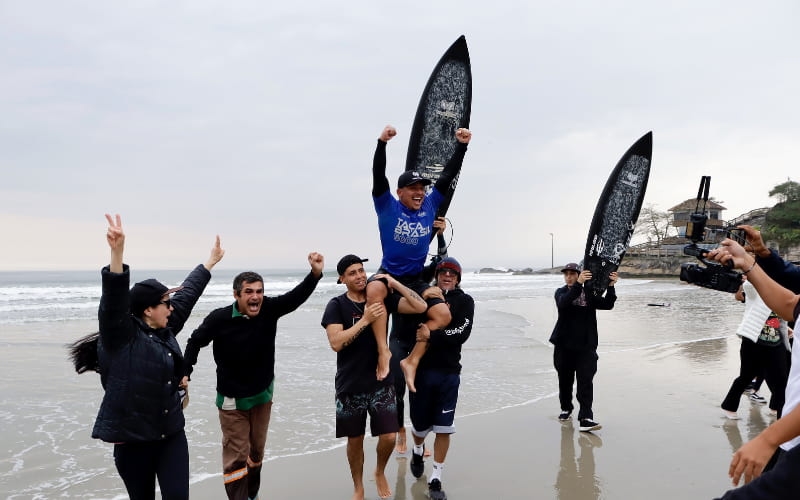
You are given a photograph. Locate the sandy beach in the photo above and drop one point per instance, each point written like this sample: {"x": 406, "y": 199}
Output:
{"x": 663, "y": 437}
{"x": 663, "y": 372}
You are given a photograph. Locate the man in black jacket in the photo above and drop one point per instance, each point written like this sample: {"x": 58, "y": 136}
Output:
{"x": 438, "y": 376}
{"x": 244, "y": 351}
{"x": 575, "y": 341}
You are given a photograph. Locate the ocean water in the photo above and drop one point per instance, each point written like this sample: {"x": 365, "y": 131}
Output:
{"x": 47, "y": 410}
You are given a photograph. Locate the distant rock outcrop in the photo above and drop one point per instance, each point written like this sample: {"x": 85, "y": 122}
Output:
{"x": 639, "y": 266}
{"x": 527, "y": 270}
{"x": 654, "y": 266}
{"x": 503, "y": 270}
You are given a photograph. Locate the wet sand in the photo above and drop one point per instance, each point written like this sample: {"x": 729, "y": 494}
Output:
{"x": 663, "y": 437}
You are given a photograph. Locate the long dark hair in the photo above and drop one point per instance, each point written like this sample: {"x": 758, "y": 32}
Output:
{"x": 83, "y": 353}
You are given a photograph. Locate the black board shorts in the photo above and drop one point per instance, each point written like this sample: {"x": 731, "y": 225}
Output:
{"x": 412, "y": 281}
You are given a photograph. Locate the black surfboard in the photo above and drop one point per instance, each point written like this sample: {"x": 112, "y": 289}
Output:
{"x": 616, "y": 214}
{"x": 445, "y": 106}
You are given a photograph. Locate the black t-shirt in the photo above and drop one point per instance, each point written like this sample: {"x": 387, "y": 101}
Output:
{"x": 404, "y": 326}
{"x": 356, "y": 363}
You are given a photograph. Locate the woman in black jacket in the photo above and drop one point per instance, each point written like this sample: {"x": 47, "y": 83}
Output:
{"x": 141, "y": 370}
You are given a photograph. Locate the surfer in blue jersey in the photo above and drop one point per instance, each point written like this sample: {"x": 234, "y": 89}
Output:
{"x": 405, "y": 225}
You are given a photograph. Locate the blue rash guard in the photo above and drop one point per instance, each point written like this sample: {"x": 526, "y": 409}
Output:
{"x": 406, "y": 234}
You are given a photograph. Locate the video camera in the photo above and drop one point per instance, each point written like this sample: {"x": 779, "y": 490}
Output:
{"x": 712, "y": 274}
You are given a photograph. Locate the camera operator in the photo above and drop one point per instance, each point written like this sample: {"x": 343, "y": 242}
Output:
{"x": 785, "y": 273}
{"x": 783, "y": 436}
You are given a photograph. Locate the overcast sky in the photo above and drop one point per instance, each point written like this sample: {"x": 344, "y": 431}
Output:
{"x": 257, "y": 121}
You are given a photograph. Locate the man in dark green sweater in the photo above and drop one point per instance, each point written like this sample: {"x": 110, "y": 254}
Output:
{"x": 244, "y": 350}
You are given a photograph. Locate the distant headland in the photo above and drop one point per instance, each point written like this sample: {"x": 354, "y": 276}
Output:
{"x": 639, "y": 266}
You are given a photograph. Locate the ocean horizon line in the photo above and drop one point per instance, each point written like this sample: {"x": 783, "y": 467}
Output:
{"x": 267, "y": 270}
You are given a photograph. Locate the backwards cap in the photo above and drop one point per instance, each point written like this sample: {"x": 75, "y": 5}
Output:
{"x": 347, "y": 261}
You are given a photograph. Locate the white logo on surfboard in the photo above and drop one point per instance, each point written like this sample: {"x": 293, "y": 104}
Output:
{"x": 447, "y": 109}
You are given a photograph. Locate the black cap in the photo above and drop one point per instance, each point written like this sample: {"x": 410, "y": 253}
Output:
{"x": 571, "y": 267}
{"x": 347, "y": 261}
{"x": 148, "y": 293}
{"x": 411, "y": 177}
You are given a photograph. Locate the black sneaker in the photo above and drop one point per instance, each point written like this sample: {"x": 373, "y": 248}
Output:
{"x": 435, "y": 490}
{"x": 417, "y": 463}
{"x": 565, "y": 415}
{"x": 587, "y": 425}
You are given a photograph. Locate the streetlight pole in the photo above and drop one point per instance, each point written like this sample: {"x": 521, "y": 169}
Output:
{"x": 551, "y": 251}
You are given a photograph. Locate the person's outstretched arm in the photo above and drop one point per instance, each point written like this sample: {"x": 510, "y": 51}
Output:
{"x": 115, "y": 298}
{"x": 785, "y": 273}
{"x": 116, "y": 241}
{"x": 380, "y": 184}
{"x": 294, "y": 298}
{"x": 453, "y": 167}
{"x": 775, "y": 296}
{"x": 193, "y": 286}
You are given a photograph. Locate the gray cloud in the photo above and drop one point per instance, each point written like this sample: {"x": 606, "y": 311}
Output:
{"x": 258, "y": 122}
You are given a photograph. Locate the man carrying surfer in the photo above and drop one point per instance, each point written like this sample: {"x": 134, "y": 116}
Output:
{"x": 433, "y": 404}
{"x": 405, "y": 225}
{"x": 347, "y": 321}
{"x": 403, "y": 336}
{"x": 575, "y": 341}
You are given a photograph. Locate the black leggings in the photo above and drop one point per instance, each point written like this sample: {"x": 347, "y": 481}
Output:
{"x": 139, "y": 464}
{"x": 756, "y": 359}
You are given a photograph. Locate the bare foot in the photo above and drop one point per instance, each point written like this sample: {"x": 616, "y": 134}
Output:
{"x": 400, "y": 446}
{"x": 384, "y": 491}
{"x": 409, "y": 372}
{"x": 358, "y": 494}
{"x": 383, "y": 364}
